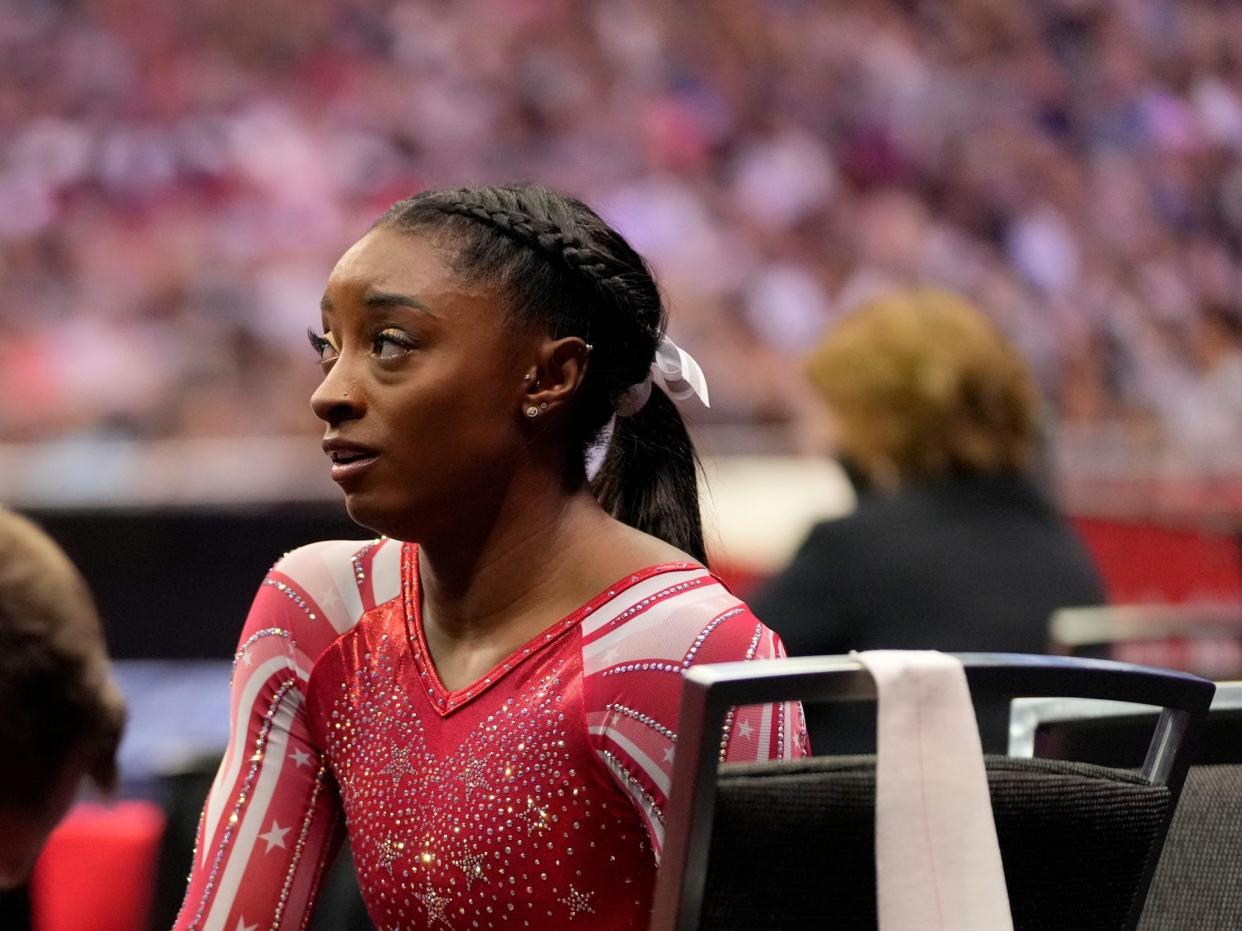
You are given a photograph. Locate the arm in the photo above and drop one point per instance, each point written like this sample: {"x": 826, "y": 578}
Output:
{"x": 271, "y": 823}
{"x": 633, "y": 692}
{"x": 763, "y": 732}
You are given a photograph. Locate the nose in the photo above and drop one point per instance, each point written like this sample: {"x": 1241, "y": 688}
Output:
{"x": 339, "y": 397}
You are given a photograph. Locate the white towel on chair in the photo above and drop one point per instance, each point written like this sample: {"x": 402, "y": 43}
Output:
{"x": 938, "y": 864}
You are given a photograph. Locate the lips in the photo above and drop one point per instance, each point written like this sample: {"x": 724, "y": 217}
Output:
{"x": 348, "y": 459}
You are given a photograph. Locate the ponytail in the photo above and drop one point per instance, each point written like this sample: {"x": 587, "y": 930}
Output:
{"x": 649, "y": 476}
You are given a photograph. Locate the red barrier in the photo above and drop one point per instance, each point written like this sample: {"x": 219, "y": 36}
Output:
{"x": 1147, "y": 563}
{"x": 97, "y": 872}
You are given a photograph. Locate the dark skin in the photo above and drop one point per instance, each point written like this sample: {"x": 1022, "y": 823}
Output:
{"x": 427, "y": 372}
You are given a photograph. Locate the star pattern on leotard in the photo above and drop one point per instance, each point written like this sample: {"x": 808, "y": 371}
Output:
{"x": 471, "y": 865}
{"x": 435, "y": 905}
{"x": 399, "y": 765}
{"x": 329, "y": 599}
{"x": 390, "y": 851}
{"x": 275, "y": 837}
{"x": 578, "y": 902}
{"x": 536, "y": 818}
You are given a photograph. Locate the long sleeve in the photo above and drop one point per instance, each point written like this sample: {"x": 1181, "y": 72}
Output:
{"x": 632, "y": 683}
{"x": 272, "y": 822}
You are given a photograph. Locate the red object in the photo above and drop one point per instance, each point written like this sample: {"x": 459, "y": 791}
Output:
{"x": 1146, "y": 563}
{"x": 742, "y": 580}
{"x": 533, "y": 797}
{"x": 97, "y": 871}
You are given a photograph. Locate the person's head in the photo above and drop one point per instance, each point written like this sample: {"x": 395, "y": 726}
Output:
{"x": 60, "y": 713}
{"x": 482, "y": 329}
{"x": 919, "y": 385}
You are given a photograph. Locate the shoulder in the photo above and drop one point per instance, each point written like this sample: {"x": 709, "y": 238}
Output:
{"x": 342, "y": 578}
{"x": 666, "y": 623}
{"x": 315, "y": 594}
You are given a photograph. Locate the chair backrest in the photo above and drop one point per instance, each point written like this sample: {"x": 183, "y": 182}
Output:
{"x": 790, "y": 845}
{"x": 1196, "y": 882}
{"x": 1112, "y": 733}
{"x": 1201, "y": 638}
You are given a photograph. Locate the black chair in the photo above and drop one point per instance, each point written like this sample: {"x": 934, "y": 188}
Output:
{"x": 790, "y": 845}
{"x": 1196, "y": 882}
{"x": 1202, "y": 638}
{"x": 1113, "y": 733}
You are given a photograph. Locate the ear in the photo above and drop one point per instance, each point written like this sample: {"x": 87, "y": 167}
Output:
{"x": 559, "y": 369}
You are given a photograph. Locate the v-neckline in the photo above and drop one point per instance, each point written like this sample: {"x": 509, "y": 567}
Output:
{"x": 446, "y": 700}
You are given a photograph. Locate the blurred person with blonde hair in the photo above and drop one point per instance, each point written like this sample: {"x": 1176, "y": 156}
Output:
{"x": 61, "y": 714}
{"x": 952, "y": 546}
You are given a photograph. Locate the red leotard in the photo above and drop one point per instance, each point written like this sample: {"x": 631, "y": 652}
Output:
{"x": 531, "y": 799}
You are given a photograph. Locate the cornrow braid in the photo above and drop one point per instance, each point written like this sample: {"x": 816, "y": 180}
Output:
{"x": 545, "y": 236}
{"x": 556, "y": 264}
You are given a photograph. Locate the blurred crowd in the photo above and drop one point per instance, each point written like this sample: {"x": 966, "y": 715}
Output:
{"x": 177, "y": 178}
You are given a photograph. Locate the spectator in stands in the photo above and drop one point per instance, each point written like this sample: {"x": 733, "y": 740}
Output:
{"x": 173, "y": 175}
{"x": 60, "y": 712}
{"x": 952, "y": 546}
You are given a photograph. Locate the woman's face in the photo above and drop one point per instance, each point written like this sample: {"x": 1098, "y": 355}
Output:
{"x": 423, "y": 386}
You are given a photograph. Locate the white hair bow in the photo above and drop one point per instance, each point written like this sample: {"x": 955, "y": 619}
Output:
{"x": 676, "y": 372}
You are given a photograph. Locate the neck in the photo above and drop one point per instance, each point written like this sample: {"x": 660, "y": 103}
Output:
{"x": 475, "y": 583}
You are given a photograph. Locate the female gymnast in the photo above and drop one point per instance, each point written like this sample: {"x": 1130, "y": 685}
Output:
{"x": 489, "y": 708}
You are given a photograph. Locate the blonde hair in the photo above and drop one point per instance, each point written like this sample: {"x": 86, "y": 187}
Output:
{"x": 921, "y": 385}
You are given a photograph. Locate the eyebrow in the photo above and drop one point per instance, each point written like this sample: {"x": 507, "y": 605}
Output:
{"x": 381, "y": 300}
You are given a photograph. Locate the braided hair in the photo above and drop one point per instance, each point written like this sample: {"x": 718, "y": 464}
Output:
{"x": 561, "y": 267}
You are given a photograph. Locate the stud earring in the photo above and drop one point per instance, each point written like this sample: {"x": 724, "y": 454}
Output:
{"x": 532, "y": 411}
{"x": 543, "y": 406}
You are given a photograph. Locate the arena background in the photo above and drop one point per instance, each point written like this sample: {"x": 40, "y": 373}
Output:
{"x": 176, "y": 180}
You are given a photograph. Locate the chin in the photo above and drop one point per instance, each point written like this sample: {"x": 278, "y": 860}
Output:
{"x": 366, "y": 515}
{"x": 382, "y": 518}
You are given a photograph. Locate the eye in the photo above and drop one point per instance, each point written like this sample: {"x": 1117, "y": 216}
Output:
{"x": 322, "y": 346}
{"x": 392, "y": 344}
